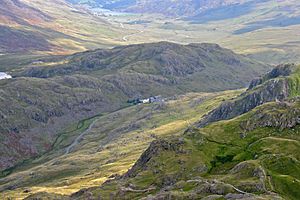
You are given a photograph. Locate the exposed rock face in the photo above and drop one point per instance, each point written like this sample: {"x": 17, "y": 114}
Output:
{"x": 282, "y": 70}
{"x": 281, "y": 115}
{"x": 267, "y": 89}
{"x": 154, "y": 149}
{"x": 274, "y": 90}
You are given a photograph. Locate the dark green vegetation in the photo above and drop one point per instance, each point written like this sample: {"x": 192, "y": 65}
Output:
{"x": 252, "y": 156}
{"x": 14, "y": 61}
{"x": 41, "y": 100}
{"x": 64, "y": 138}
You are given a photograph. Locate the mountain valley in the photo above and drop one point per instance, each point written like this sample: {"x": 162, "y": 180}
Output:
{"x": 86, "y": 84}
{"x": 252, "y": 156}
{"x": 149, "y": 99}
{"x": 59, "y": 27}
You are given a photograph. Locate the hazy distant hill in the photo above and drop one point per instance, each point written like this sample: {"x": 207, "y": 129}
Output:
{"x": 107, "y": 4}
{"x": 15, "y": 11}
{"x": 62, "y": 27}
{"x": 51, "y": 26}
{"x": 167, "y": 7}
{"x": 202, "y": 10}
{"x": 181, "y": 8}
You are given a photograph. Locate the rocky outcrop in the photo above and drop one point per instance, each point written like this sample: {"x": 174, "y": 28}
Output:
{"x": 153, "y": 150}
{"x": 267, "y": 89}
{"x": 278, "y": 114}
{"x": 281, "y": 70}
{"x": 274, "y": 90}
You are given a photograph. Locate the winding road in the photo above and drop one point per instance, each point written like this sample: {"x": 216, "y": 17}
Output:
{"x": 78, "y": 138}
{"x": 125, "y": 38}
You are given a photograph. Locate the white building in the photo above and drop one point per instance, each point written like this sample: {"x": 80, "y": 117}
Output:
{"x": 4, "y": 76}
{"x": 145, "y": 100}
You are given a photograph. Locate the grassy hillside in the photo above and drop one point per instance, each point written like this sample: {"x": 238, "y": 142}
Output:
{"x": 41, "y": 100}
{"x": 251, "y": 156}
{"x": 257, "y": 28}
{"x": 110, "y": 148}
{"x": 221, "y": 160}
{"x": 52, "y": 27}
{"x": 169, "y": 63}
{"x": 34, "y": 110}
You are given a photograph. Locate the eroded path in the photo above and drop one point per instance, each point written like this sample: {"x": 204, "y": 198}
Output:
{"x": 79, "y": 137}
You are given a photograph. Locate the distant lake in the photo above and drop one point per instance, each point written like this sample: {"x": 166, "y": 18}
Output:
{"x": 4, "y": 75}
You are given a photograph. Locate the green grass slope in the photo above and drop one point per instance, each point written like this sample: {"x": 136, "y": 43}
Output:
{"x": 252, "y": 155}
{"x": 59, "y": 90}
{"x": 224, "y": 160}
{"x": 42, "y": 99}
{"x": 110, "y": 147}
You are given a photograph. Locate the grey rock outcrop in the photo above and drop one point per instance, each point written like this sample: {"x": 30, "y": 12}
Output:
{"x": 154, "y": 149}
{"x": 272, "y": 87}
{"x": 281, "y": 115}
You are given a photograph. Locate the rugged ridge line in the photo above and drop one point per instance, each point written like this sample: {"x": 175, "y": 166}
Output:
{"x": 282, "y": 115}
{"x": 266, "y": 89}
